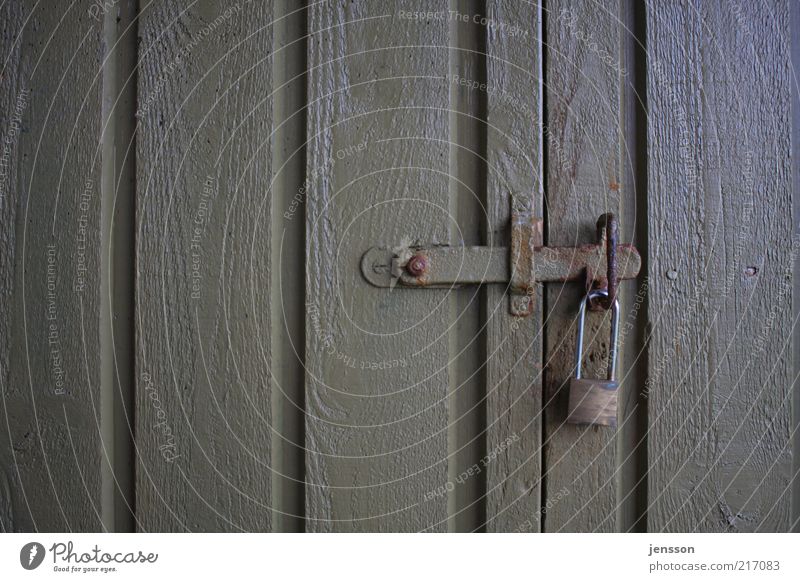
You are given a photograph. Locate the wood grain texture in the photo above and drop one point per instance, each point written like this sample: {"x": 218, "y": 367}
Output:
{"x": 51, "y": 457}
{"x": 583, "y": 145}
{"x": 794, "y": 24}
{"x": 203, "y": 312}
{"x": 247, "y": 261}
{"x": 288, "y": 254}
{"x": 377, "y": 373}
{"x": 633, "y": 296}
{"x": 468, "y": 226}
{"x": 719, "y": 385}
{"x": 514, "y": 345}
{"x": 117, "y": 299}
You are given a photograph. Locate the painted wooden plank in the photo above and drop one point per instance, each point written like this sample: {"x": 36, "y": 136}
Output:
{"x": 514, "y": 345}
{"x": 583, "y": 153}
{"x": 377, "y": 374}
{"x": 468, "y": 226}
{"x": 51, "y": 458}
{"x": 631, "y": 437}
{"x": 794, "y": 525}
{"x": 118, "y": 260}
{"x": 204, "y": 272}
{"x": 721, "y": 252}
{"x": 288, "y": 254}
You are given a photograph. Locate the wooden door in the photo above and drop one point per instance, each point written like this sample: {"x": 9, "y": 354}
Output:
{"x": 188, "y": 188}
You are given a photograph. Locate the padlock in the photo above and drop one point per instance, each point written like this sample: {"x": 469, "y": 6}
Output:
{"x": 594, "y": 401}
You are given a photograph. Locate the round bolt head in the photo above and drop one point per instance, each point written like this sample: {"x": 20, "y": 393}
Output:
{"x": 417, "y": 265}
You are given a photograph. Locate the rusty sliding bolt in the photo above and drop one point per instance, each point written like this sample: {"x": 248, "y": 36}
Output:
{"x": 521, "y": 266}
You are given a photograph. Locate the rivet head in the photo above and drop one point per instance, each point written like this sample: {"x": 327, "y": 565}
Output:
{"x": 417, "y": 265}
{"x": 672, "y": 274}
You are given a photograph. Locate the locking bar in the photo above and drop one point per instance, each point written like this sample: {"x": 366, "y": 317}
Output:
{"x": 521, "y": 266}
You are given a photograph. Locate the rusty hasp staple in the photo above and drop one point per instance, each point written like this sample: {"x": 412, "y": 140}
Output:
{"x": 520, "y": 267}
{"x": 608, "y": 232}
{"x": 526, "y": 236}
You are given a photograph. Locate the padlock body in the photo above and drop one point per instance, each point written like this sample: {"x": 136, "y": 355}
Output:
{"x": 592, "y": 402}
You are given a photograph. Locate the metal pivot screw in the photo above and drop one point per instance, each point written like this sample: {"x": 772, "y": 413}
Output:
{"x": 417, "y": 265}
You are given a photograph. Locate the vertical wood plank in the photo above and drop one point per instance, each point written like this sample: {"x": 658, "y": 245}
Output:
{"x": 117, "y": 261}
{"x": 794, "y": 24}
{"x": 632, "y": 364}
{"x": 720, "y": 377}
{"x": 377, "y": 374}
{"x": 204, "y": 428}
{"x": 288, "y": 255}
{"x": 51, "y": 458}
{"x": 467, "y": 338}
{"x": 583, "y": 145}
{"x": 514, "y": 345}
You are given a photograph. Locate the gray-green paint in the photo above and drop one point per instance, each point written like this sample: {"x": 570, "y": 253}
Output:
{"x": 257, "y": 369}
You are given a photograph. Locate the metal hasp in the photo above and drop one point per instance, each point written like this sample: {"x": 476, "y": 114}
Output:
{"x": 520, "y": 267}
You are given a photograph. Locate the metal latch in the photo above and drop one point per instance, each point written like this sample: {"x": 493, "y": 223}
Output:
{"x": 520, "y": 267}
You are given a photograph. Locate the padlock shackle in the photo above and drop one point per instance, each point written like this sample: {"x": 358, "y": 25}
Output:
{"x": 612, "y": 349}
